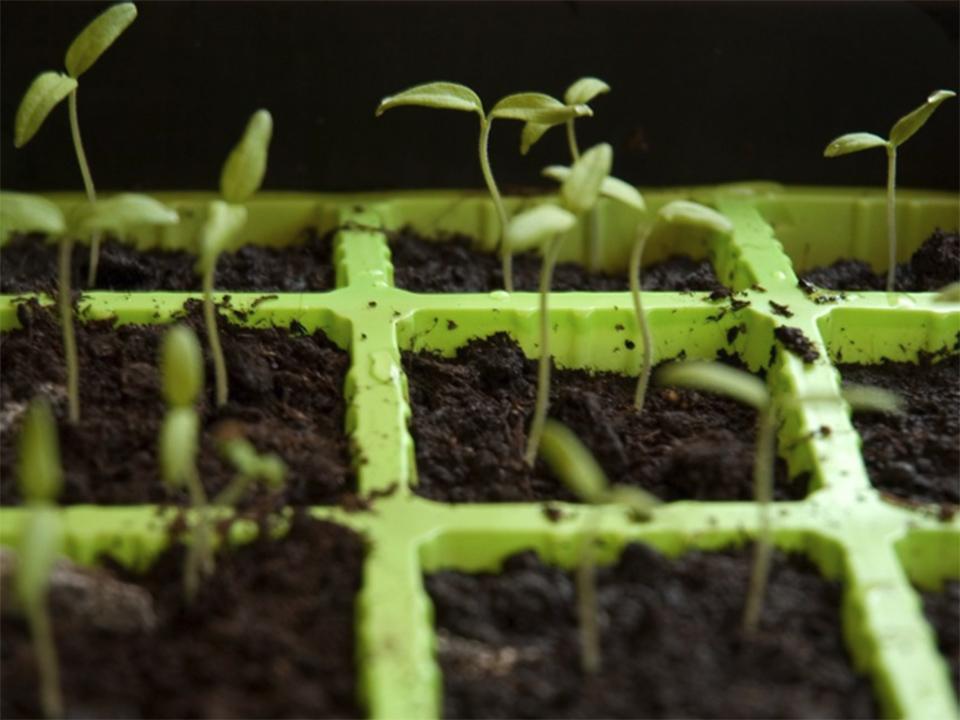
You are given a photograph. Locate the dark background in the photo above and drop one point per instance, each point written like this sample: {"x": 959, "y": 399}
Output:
{"x": 702, "y": 92}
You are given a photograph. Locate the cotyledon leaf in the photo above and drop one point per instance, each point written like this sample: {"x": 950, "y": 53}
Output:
{"x": 245, "y": 166}
{"x": 22, "y": 212}
{"x": 121, "y": 212}
{"x": 533, "y": 227}
{"x": 442, "y": 95}
{"x": 582, "y": 186}
{"x": 44, "y": 94}
{"x": 181, "y": 367}
{"x": 719, "y": 379}
{"x": 906, "y": 126}
{"x": 853, "y": 142}
{"x": 538, "y": 108}
{"x": 685, "y": 212}
{"x": 584, "y": 90}
{"x": 41, "y": 476}
{"x": 611, "y": 187}
{"x": 96, "y": 37}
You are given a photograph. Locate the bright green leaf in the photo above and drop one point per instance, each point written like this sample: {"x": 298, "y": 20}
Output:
{"x": 582, "y": 186}
{"x": 906, "y": 126}
{"x": 181, "y": 366}
{"x": 684, "y": 212}
{"x": 853, "y": 142}
{"x": 40, "y": 546}
{"x": 41, "y": 476}
{"x": 21, "y": 212}
{"x": 611, "y": 187}
{"x": 243, "y": 171}
{"x": 533, "y": 227}
{"x": 441, "y": 95}
{"x": 538, "y": 108}
{"x": 178, "y": 446}
{"x": 43, "y": 95}
{"x": 866, "y": 398}
{"x": 96, "y": 37}
{"x": 716, "y": 378}
{"x": 573, "y": 463}
{"x": 584, "y": 90}
{"x": 120, "y": 213}
{"x": 223, "y": 223}
{"x": 530, "y": 134}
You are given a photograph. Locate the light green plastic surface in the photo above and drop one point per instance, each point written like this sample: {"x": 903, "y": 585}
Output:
{"x": 876, "y": 548}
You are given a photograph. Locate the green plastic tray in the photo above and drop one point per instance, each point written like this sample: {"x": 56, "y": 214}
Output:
{"x": 876, "y": 548}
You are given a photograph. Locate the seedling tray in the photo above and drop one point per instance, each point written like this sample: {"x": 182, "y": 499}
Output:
{"x": 878, "y": 549}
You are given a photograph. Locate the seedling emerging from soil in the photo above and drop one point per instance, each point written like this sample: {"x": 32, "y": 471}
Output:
{"x": 749, "y": 390}
{"x": 576, "y": 467}
{"x": 40, "y": 481}
{"x": 902, "y": 131}
{"x": 49, "y": 88}
{"x": 545, "y": 225}
{"x": 526, "y": 107}
{"x": 250, "y": 466}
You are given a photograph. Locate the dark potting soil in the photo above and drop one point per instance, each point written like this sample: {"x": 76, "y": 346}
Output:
{"x": 30, "y": 265}
{"x": 935, "y": 263}
{"x": 271, "y": 634}
{"x": 797, "y": 343}
{"x": 670, "y": 642}
{"x": 943, "y": 613}
{"x": 452, "y": 265}
{"x": 286, "y": 393}
{"x": 915, "y": 455}
{"x": 471, "y": 414}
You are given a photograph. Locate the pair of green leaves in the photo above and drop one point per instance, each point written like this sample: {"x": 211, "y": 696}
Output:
{"x": 902, "y": 130}
{"x": 50, "y": 88}
{"x": 268, "y": 468}
{"x": 580, "y": 92}
{"x": 181, "y": 376}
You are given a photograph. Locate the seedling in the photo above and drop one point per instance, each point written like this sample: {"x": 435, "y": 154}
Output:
{"x": 40, "y": 481}
{"x": 901, "y": 131}
{"x": 50, "y": 88}
{"x": 576, "y": 467}
{"x": 251, "y": 467}
{"x": 27, "y": 213}
{"x": 545, "y": 226}
{"x": 526, "y": 107}
{"x": 749, "y": 390}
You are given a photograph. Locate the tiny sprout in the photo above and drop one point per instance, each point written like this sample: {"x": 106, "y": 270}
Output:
{"x": 526, "y": 107}
{"x": 902, "y": 131}
{"x": 576, "y": 467}
{"x": 251, "y": 467}
{"x": 181, "y": 367}
{"x": 243, "y": 171}
{"x": 40, "y": 475}
{"x": 49, "y": 88}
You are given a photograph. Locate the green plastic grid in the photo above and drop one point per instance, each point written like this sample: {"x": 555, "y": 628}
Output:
{"x": 843, "y": 525}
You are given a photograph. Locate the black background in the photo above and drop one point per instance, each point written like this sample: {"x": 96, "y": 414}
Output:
{"x": 703, "y": 92}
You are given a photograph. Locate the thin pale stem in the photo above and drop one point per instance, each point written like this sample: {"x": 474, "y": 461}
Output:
{"x": 506, "y": 255}
{"x": 232, "y": 493}
{"x": 763, "y": 547}
{"x": 892, "y": 214}
{"x": 590, "y": 658}
{"x": 635, "y": 290}
{"x": 51, "y": 699}
{"x": 572, "y": 142}
{"x": 87, "y": 184}
{"x": 200, "y": 554}
{"x": 543, "y": 367}
{"x": 213, "y": 337}
{"x": 65, "y": 303}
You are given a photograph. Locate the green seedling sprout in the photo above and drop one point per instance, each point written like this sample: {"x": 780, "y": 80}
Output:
{"x": 250, "y": 466}
{"x": 751, "y": 391}
{"x": 576, "y": 467}
{"x": 20, "y": 212}
{"x": 902, "y": 131}
{"x": 949, "y": 293}
{"x": 40, "y": 481}
{"x": 546, "y": 226}
{"x": 526, "y": 107}
{"x": 49, "y": 88}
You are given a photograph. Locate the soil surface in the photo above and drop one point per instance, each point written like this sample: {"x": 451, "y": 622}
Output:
{"x": 915, "y": 455}
{"x": 271, "y": 634}
{"x": 943, "y": 612}
{"x": 797, "y": 343}
{"x": 30, "y": 265}
{"x": 471, "y": 414}
{"x": 451, "y": 265}
{"x": 286, "y": 393}
{"x": 935, "y": 263}
{"x": 670, "y": 642}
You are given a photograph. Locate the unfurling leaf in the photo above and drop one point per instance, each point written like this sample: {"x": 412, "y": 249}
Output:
{"x": 582, "y": 186}
{"x": 533, "y": 227}
{"x": 96, "y": 37}
{"x": 584, "y": 90}
{"x": 243, "y": 171}
{"x": 611, "y": 187}
{"x": 853, "y": 142}
{"x": 121, "y": 212}
{"x": 442, "y": 95}
{"x": 43, "y": 95}
{"x": 21, "y": 212}
{"x": 178, "y": 446}
{"x": 40, "y": 546}
{"x": 906, "y": 126}
{"x": 181, "y": 367}
{"x": 573, "y": 463}
{"x": 684, "y": 212}
{"x": 537, "y": 108}
{"x": 224, "y": 221}
{"x": 41, "y": 476}
{"x": 867, "y": 398}
{"x": 716, "y": 378}
{"x": 530, "y": 134}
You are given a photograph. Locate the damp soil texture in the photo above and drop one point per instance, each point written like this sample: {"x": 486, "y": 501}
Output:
{"x": 452, "y": 265}
{"x": 914, "y": 455}
{"x": 942, "y": 610}
{"x": 935, "y": 264}
{"x": 670, "y": 641}
{"x": 270, "y": 635}
{"x": 30, "y": 265}
{"x": 286, "y": 397}
{"x": 471, "y": 414}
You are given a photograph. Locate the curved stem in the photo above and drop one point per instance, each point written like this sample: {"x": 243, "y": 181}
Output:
{"x": 891, "y": 214}
{"x": 587, "y": 599}
{"x": 543, "y": 368}
{"x": 572, "y": 142}
{"x": 200, "y": 553}
{"x": 644, "y": 379}
{"x": 213, "y": 337}
{"x": 506, "y": 255}
{"x": 763, "y": 547}
{"x": 65, "y": 303}
{"x": 51, "y": 699}
{"x": 87, "y": 184}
